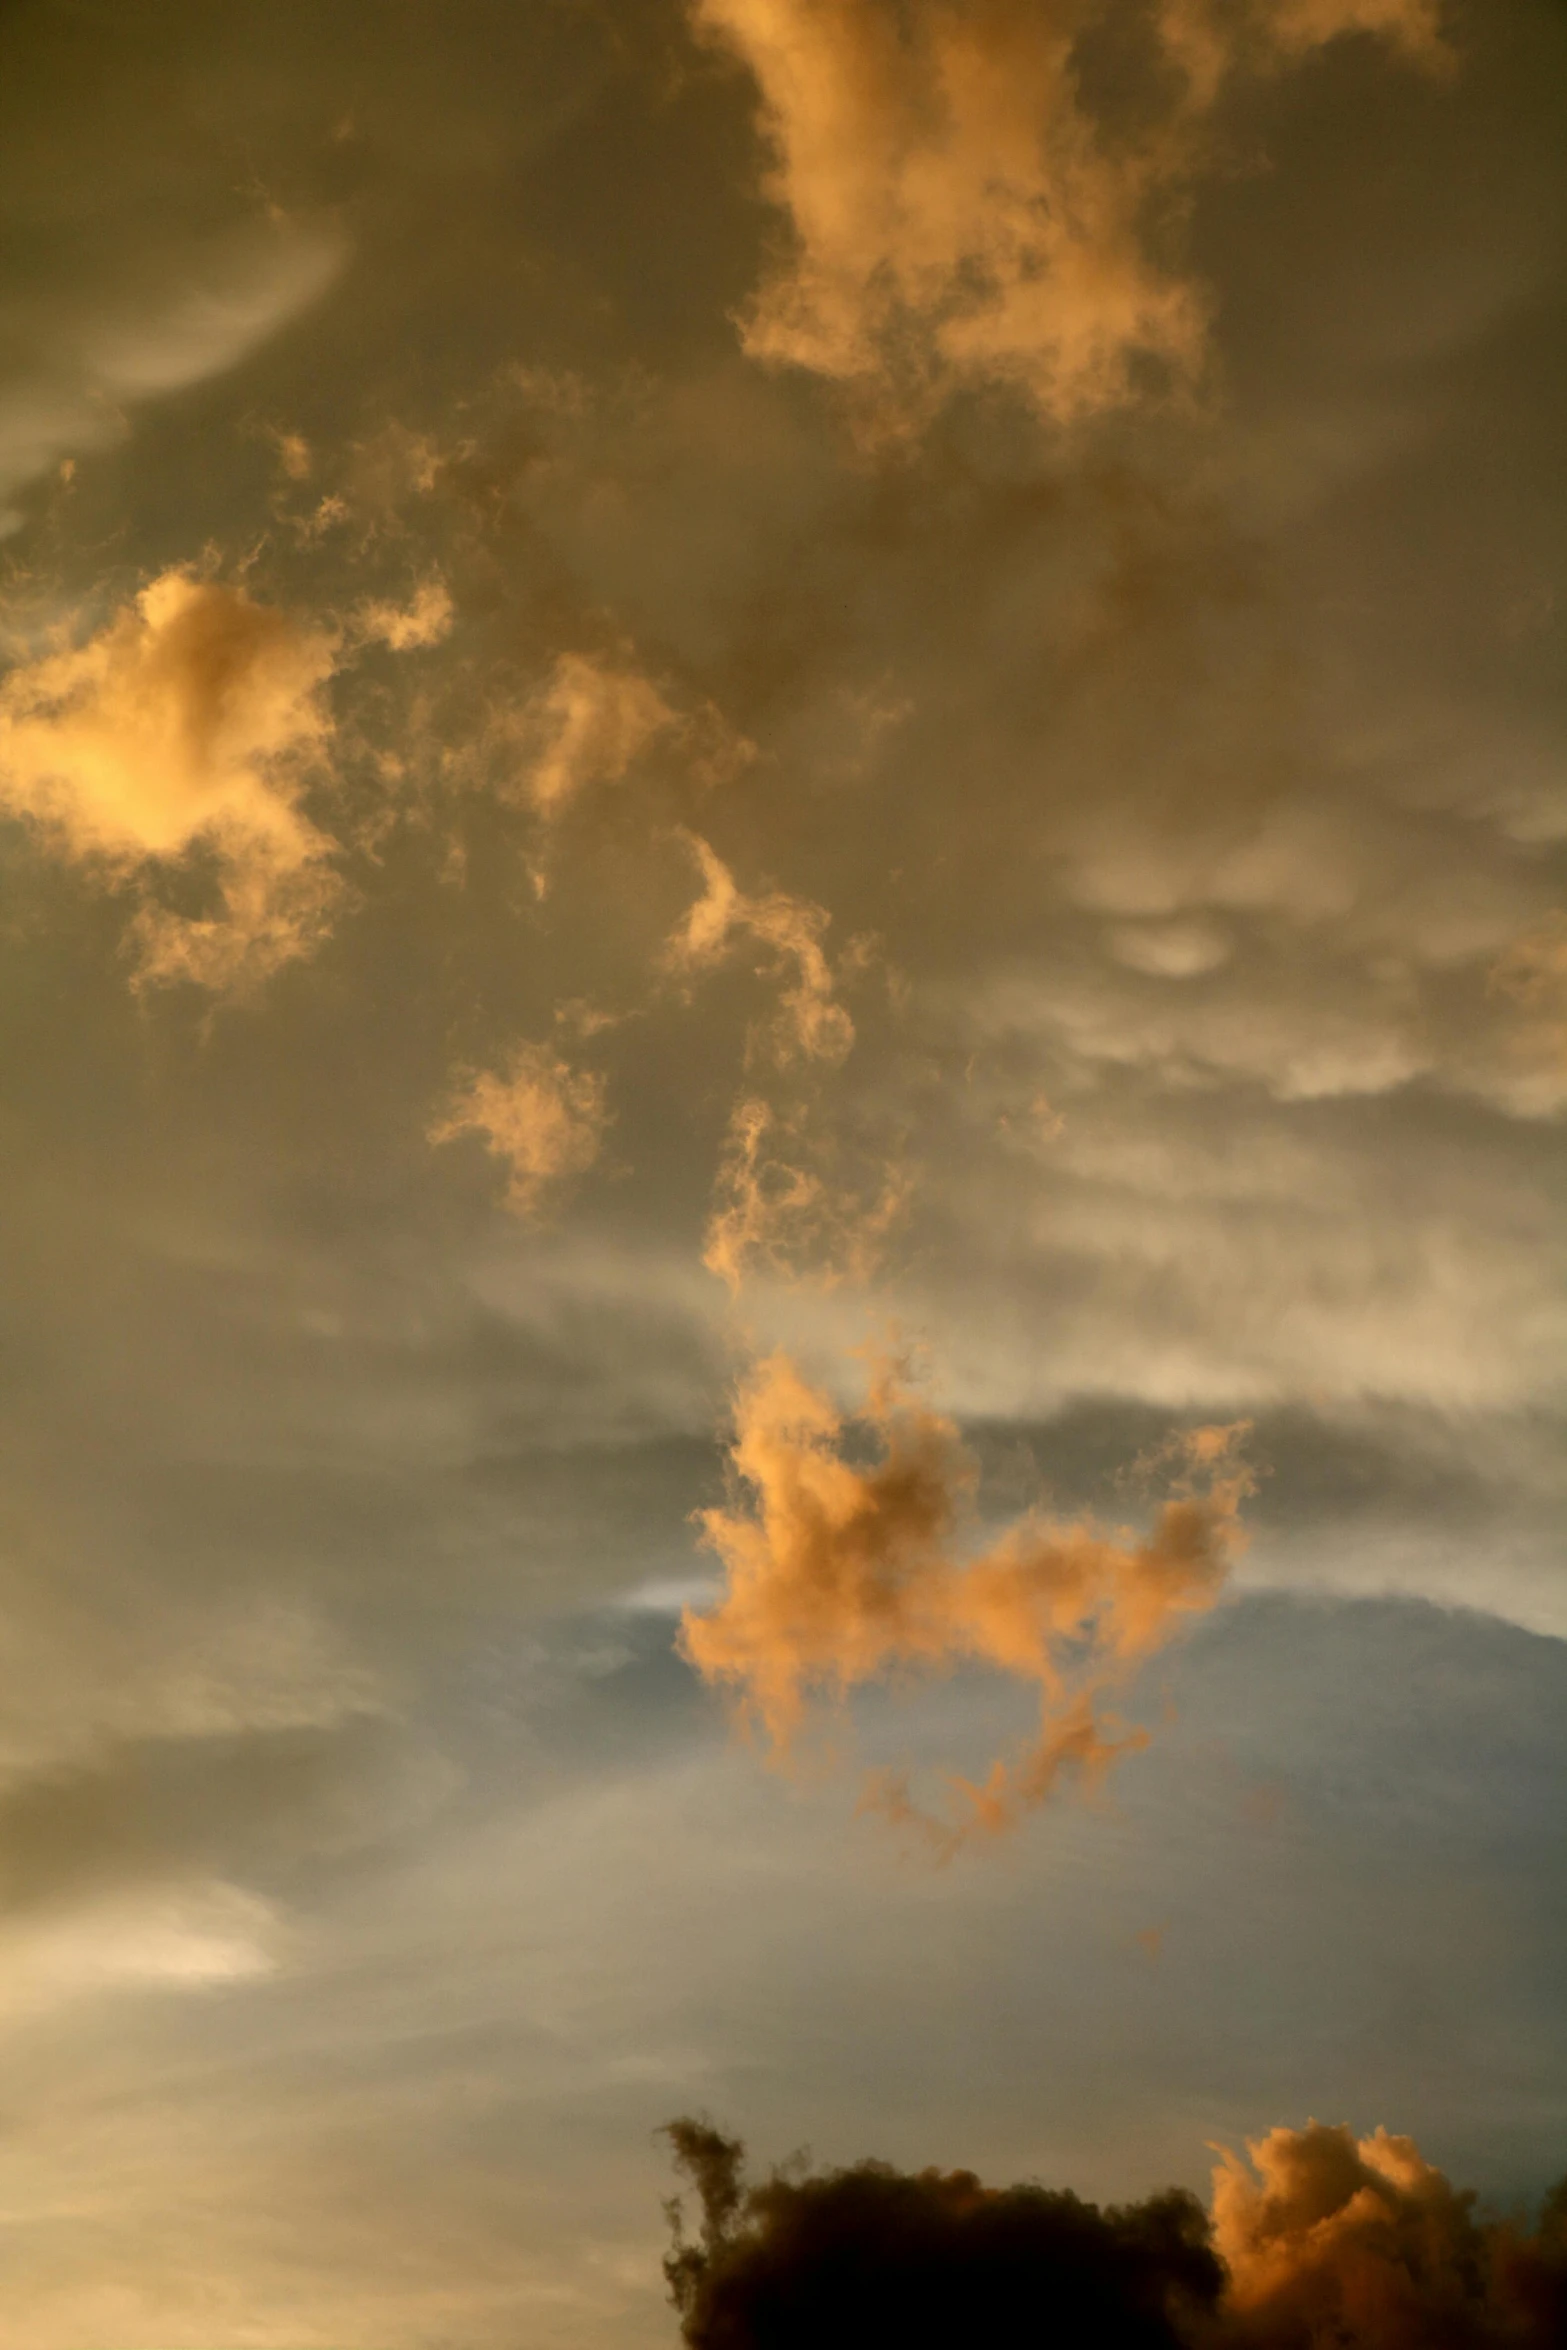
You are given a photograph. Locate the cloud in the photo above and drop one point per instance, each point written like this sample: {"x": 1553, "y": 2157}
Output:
{"x": 1533, "y": 973}
{"x": 811, "y": 1024}
{"x": 588, "y": 725}
{"x": 837, "y": 1575}
{"x": 1412, "y": 25}
{"x": 1364, "y": 2246}
{"x": 1362, "y": 2242}
{"x": 544, "y": 1118}
{"x": 177, "y": 1937}
{"x": 410, "y": 627}
{"x": 83, "y": 357}
{"x": 775, "y": 1212}
{"x": 187, "y": 726}
{"x": 961, "y": 216}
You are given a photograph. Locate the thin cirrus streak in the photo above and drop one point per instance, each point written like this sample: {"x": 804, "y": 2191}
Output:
{"x": 837, "y": 1576}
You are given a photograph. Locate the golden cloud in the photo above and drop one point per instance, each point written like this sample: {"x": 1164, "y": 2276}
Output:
{"x": 960, "y": 216}
{"x": 587, "y": 725}
{"x": 811, "y": 1025}
{"x": 425, "y": 620}
{"x": 188, "y": 725}
{"x": 545, "y": 1119}
{"x": 1331, "y": 2238}
{"x": 776, "y": 1212}
{"x": 837, "y": 1575}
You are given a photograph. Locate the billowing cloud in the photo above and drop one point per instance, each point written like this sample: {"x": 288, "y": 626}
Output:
{"x": 1362, "y": 2242}
{"x": 779, "y": 1210}
{"x": 545, "y": 1119}
{"x": 960, "y": 213}
{"x": 1362, "y": 2245}
{"x": 838, "y": 1574}
{"x": 186, "y": 727}
{"x": 811, "y": 1024}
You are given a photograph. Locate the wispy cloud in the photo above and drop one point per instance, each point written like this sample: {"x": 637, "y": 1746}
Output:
{"x": 542, "y": 1118}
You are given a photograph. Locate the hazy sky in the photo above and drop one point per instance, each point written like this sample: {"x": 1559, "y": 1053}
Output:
{"x": 784, "y": 798}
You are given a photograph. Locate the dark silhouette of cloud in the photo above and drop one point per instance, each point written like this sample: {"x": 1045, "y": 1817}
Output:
{"x": 1332, "y": 2245}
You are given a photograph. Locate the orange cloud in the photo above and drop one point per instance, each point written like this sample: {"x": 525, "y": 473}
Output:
{"x": 410, "y": 627}
{"x": 1331, "y": 2238}
{"x": 960, "y": 216}
{"x": 187, "y": 726}
{"x": 776, "y": 1213}
{"x": 587, "y": 725}
{"x": 811, "y": 1025}
{"x": 836, "y": 1575}
{"x": 545, "y": 1119}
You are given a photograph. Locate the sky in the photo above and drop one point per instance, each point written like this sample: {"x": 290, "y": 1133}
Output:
{"x": 784, "y": 1016}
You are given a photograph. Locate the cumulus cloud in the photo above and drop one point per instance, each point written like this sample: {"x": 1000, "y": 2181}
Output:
{"x": 545, "y": 1119}
{"x": 776, "y": 1212}
{"x": 1362, "y": 2242}
{"x": 186, "y": 727}
{"x": 811, "y": 1024}
{"x": 961, "y": 216}
{"x": 1364, "y": 2246}
{"x": 838, "y": 1574}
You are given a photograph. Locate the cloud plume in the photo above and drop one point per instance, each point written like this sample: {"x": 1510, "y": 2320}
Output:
{"x": 1364, "y": 2246}
{"x": 838, "y": 1574}
{"x": 960, "y": 214}
{"x": 545, "y": 1119}
{"x": 185, "y": 728}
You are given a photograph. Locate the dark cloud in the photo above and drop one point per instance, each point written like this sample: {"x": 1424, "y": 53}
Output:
{"x": 874, "y": 2254}
{"x": 1366, "y": 2247}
